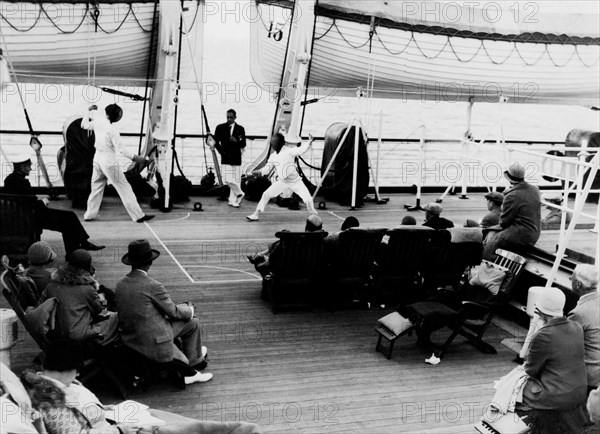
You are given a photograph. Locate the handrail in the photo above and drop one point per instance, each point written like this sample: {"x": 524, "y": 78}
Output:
{"x": 264, "y": 137}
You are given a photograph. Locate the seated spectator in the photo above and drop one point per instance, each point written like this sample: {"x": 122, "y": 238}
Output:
{"x": 40, "y": 256}
{"x": 80, "y": 313}
{"x": 333, "y": 240}
{"x": 408, "y": 220}
{"x": 520, "y": 219}
{"x": 65, "y": 222}
{"x": 149, "y": 321}
{"x": 18, "y": 415}
{"x": 65, "y": 403}
{"x": 261, "y": 261}
{"x": 554, "y": 216}
{"x": 432, "y": 217}
{"x": 494, "y": 206}
{"x": 584, "y": 283}
{"x": 555, "y": 361}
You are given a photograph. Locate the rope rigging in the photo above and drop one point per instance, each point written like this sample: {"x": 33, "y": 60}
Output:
{"x": 451, "y": 42}
{"x": 87, "y": 9}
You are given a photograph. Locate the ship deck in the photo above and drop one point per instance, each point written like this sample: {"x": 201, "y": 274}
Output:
{"x": 298, "y": 371}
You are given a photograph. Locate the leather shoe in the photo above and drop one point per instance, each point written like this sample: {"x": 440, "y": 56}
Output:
{"x": 145, "y": 218}
{"x": 86, "y": 245}
{"x": 518, "y": 360}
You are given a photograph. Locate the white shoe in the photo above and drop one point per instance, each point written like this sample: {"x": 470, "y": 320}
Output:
{"x": 234, "y": 204}
{"x": 240, "y": 198}
{"x": 198, "y": 378}
{"x": 252, "y": 217}
{"x": 204, "y": 352}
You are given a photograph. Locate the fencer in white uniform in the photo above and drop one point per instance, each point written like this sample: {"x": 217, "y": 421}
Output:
{"x": 283, "y": 160}
{"x": 106, "y": 165}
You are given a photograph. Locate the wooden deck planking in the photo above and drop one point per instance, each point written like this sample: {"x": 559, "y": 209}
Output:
{"x": 299, "y": 371}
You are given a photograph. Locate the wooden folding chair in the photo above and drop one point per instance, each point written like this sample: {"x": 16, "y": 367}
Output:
{"x": 475, "y": 317}
{"x": 94, "y": 363}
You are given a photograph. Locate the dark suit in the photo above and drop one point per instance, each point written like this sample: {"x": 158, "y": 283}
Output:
{"x": 231, "y": 152}
{"x": 149, "y": 321}
{"x": 520, "y": 221}
{"x": 65, "y": 222}
{"x": 436, "y": 222}
{"x": 555, "y": 364}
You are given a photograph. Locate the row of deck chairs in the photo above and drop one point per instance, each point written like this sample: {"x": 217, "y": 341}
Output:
{"x": 415, "y": 260}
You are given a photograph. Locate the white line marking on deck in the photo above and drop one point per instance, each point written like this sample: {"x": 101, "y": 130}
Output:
{"x": 207, "y": 282}
{"x": 169, "y": 252}
{"x": 174, "y": 220}
{"x": 225, "y": 268}
{"x": 335, "y": 215}
{"x": 217, "y": 241}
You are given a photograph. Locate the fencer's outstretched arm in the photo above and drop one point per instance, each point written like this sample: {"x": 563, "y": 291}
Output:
{"x": 303, "y": 147}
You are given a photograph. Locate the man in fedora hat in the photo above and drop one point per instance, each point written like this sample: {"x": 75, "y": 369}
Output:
{"x": 149, "y": 321}
{"x": 63, "y": 221}
{"x": 283, "y": 160}
{"x": 520, "y": 218}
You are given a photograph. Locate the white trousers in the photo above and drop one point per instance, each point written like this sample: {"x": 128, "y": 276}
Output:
{"x": 279, "y": 187}
{"x": 109, "y": 170}
{"x": 232, "y": 176}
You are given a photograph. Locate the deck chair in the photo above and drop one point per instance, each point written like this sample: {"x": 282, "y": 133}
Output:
{"x": 18, "y": 228}
{"x": 94, "y": 363}
{"x": 449, "y": 253}
{"x": 350, "y": 266}
{"x": 296, "y": 265}
{"x": 396, "y": 275}
{"x": 475, "y": 317}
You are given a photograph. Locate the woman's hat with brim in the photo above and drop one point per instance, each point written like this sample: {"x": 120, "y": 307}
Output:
{"x": 81, "y": 259}
{"x": 139, "y": 252}
{"x": 551, "y": 302}
{"x": 515, "y": 173}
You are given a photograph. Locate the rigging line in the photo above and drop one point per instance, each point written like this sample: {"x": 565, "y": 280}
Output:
{"x": 148, "y": 67}
{"x": 118, "y": 27}
{"x": 423, "y": 53}
{"x": 390, "y": 51}
{"x": 37, "y": 19}
{"x": 138, "y": 21}
{"x": 198, "y": 85}
{"x": 581, "y": 59}
{"x": 326, "y": 31}
{"x": 14, "y": 75}
{"x": 195, "y": 16}
{"x": 96, "y": 15}
{"x": 87, "y": 8}
{"x": 545, "y": 50}
{"x": 312, "y": 49}
{"x": 495, "y": 62}
{"x": 554, "y": 62}
{"x": 457, "y": 55}
{"x": 347, "y": 41}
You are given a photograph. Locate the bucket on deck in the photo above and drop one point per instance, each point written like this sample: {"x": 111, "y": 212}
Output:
{"x": 8, "y": 334}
